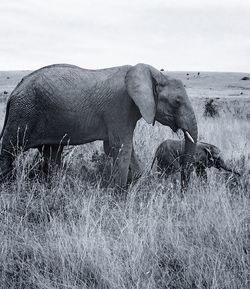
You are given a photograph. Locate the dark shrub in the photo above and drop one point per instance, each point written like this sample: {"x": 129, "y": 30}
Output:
{"x": 211, "y": 109}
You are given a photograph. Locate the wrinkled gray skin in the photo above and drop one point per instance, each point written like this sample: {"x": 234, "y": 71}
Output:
{"x": 207, "y": 156}
{"x": 64, "y": 104}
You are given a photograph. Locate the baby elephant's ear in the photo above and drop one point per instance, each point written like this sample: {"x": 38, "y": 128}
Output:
{"x": 208, "y": 151}
{"x": 140, "y": 81}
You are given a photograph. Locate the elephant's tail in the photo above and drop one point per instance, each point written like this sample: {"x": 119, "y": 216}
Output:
{"x": 158, "y": 153}
{"x": 153, "y": 161}
{"x": 5, "y": 120}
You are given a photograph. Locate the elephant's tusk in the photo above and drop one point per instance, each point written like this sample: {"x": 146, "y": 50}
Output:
{"x": 188, "y": 136}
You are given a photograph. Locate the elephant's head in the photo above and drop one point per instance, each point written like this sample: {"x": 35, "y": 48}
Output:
{"x": 207, "y": 155}
{"x": 210, "y": 156}
{"x": 161, "y": 98}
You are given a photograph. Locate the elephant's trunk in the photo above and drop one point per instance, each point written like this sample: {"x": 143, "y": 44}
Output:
{"x": 190, "y": 132}
{"x": 227, "y": 168}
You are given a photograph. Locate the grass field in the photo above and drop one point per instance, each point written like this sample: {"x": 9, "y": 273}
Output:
{"x": 71, "y": 233}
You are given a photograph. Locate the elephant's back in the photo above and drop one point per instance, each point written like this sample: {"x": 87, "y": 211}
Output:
{"x": 67, "y": 75}
{"x": 55, "y": 70}
{"x": 72, "y": 74}
{"x": 171, "y": 145}
{"x": 170, "y": 150}
{"x": 67, "y": 86}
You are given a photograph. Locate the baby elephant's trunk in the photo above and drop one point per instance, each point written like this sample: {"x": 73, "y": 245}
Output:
{"x": 222, "y": 165}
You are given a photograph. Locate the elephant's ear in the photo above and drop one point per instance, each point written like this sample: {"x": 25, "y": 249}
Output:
{"x": 141, "y": 81}
{"x": 209, "y": 153}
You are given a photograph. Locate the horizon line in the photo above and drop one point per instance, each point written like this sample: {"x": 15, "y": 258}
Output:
{"x": 192, "y": 70}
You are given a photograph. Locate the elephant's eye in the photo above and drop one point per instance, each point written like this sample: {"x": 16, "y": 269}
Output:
{"x": 177, "y": 101}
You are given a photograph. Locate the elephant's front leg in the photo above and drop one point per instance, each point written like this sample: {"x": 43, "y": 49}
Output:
{"x": 121, "y": 160}
{"x": 201, "y": 173}
{"x": 135, "y": 170}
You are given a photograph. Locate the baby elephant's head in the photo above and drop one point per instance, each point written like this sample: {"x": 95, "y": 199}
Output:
{"x": 209, "y": 156}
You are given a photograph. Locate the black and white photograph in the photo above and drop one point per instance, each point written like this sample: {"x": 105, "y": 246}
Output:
{"x": 124, "y": 144}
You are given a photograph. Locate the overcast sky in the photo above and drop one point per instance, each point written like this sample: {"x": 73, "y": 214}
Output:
{"x": 208, "y": 35}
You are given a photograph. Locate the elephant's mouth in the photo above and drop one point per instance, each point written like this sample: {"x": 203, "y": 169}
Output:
{"x": 174, "y": 127}
{"x": 171, "y": 123}
{"x": 167, "y": 119}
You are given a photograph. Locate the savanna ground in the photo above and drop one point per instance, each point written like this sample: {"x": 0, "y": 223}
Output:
{"x": 70, "y": 232}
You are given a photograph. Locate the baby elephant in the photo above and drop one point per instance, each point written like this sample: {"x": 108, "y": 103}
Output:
{"x": 169, "y": 152}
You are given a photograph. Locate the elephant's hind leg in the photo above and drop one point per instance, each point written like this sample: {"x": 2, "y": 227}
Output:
{"x": 52, "y": 156}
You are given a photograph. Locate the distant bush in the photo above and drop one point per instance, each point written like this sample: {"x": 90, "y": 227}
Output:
{"x": 245, "y": 78}
{"x": 210, "y": 109}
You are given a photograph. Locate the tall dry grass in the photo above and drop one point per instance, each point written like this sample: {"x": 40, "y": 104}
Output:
{"x": 68, "y": 232}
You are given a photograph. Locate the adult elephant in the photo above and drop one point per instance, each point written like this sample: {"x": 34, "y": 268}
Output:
{"x": 64, "y": 104}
